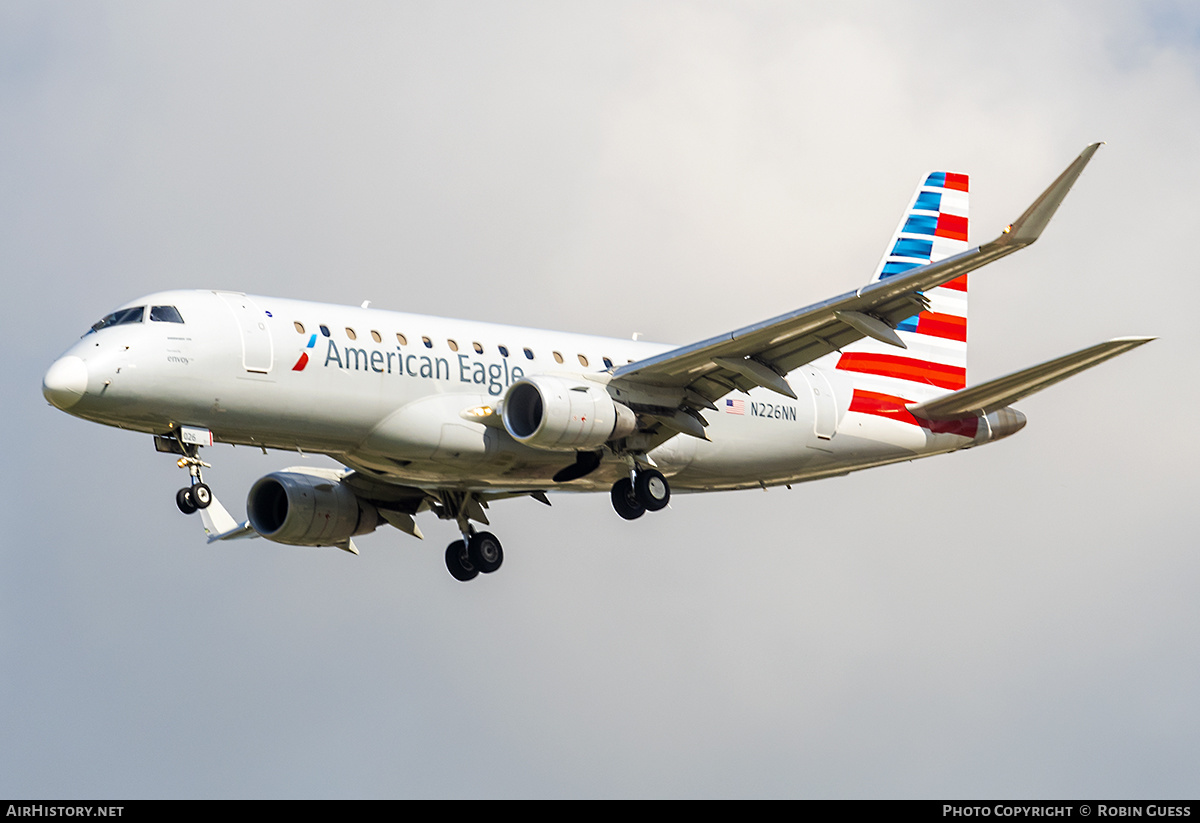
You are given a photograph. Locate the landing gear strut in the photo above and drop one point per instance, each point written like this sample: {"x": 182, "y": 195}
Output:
{"x": 646, "y": 491}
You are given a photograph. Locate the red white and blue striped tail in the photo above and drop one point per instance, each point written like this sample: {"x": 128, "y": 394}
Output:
{"x": 886, "y": 378}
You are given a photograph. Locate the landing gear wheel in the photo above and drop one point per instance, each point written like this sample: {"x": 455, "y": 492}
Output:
{"x": 183, "y": 499}
{"x": 202, "y": 495}
{"x": 458, "y": 564}
{"x": 485, "y": 552}
{"x": 625, "y": 501}
{"x": 652, "y": 489}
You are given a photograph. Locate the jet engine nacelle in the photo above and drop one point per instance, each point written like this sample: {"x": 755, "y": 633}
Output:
{"x": 306, "y": 507}
{"x": 560, "y": 414}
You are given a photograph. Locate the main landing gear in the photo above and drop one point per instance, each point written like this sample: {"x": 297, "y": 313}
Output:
{"x": 647, "y": 490}
{"x": 480, "y": 552}
{"x": 477, "y": 551}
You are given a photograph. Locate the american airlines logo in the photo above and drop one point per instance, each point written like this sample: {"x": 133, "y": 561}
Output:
{"x": 303, "y": 361}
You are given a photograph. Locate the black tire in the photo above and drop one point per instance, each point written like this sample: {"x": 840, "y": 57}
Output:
{"x": 625, "y": 501}
{"x": 183, "y": 499}
{"x": 652, "y": 489}
{"x": 202, "y": 496}
{"x": 458, "y": 564}
{"x": 485, "y": 552}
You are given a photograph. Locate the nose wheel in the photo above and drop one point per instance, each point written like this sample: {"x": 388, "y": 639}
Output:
{"x": 198, "y": 495}
{"x": 189, "y": 499}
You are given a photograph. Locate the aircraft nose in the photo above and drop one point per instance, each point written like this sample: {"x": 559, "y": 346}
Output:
{"x": 65, "y": 382}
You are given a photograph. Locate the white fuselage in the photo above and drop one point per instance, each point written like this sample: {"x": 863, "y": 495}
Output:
{"x": 384, "y": 392}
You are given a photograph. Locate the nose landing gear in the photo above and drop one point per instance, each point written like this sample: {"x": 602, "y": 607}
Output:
{"x": 198, "y": 495}
{"x": 190, "y": 499}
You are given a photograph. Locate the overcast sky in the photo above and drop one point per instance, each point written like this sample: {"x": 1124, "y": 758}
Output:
{"x": 1015, "y": 621}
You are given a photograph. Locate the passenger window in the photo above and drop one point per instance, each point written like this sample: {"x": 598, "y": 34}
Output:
{"x": 478, "y": 348}
{"x": 401, "y": 339}
{"x": 503, "y": 351}
{"x": 428, "y": 343}
{"x": 324, "y": 330}
{"x": 299, "y": 327}
{"x": 607, "y": 363}
{"x": 453, "y": 346}
{"x": 557, "y": 357}
{"x": 376, "y": 336}
{"x": 582, "y": 360}
{"x": 350, "y": 333}
{"x": 165, "y": 314}
{"x": 528, "y": 353}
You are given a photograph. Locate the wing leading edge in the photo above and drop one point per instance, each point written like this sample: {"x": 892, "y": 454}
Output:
{"x": 761, "y": 354}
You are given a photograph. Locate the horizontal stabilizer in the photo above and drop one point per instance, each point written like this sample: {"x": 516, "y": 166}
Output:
{"x": 1003, "y": 391}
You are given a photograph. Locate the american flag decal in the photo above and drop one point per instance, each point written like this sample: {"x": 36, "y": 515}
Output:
{"x": 735, "y": 406}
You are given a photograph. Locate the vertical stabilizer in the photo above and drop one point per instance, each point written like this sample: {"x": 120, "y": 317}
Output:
{"x": 934, "y": 227}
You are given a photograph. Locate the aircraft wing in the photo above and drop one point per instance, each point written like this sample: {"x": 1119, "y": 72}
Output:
{"x": 761, "y": 354}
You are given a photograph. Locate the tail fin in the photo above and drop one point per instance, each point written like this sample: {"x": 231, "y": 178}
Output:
{"x": 933, "y": 228}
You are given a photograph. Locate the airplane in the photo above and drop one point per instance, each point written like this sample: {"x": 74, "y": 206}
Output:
{"x": 429, "y": 414}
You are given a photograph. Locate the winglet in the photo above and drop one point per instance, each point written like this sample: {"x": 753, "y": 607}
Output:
{"x": 1029, "y": 226}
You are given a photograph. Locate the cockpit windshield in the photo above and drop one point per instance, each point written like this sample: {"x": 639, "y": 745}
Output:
{"x": 158, "y": 314}
{"x": 165, "y": 314}
{"x": 120, "y": 318}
